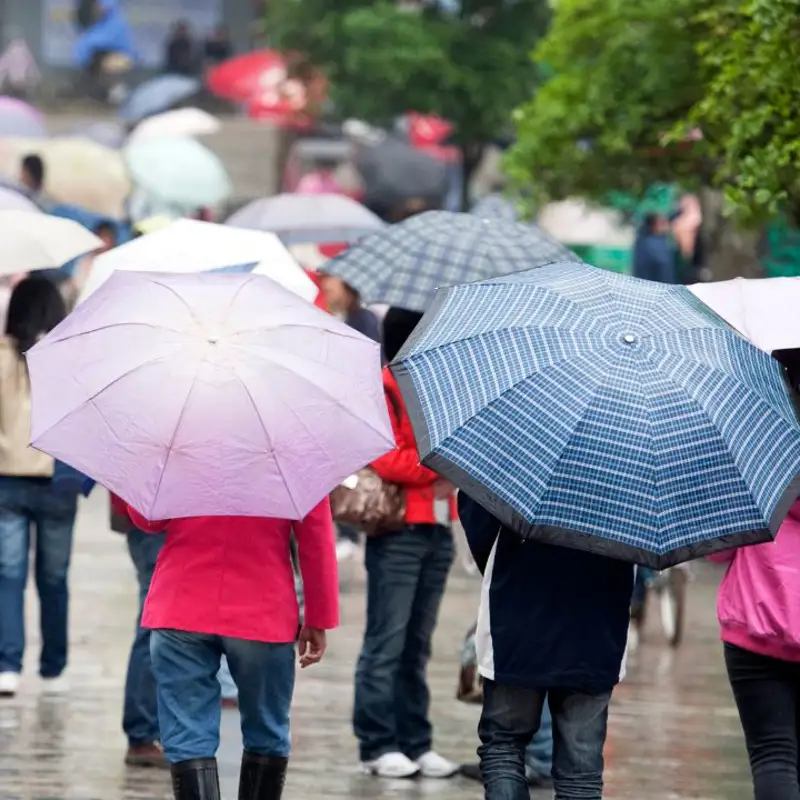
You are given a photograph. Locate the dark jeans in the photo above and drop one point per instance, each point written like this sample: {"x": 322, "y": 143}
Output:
{"x": 31, "y": 505}
{"x": 140, "y": 715}
{"x": 767, "y": 692}
{"x": 511, "y": 716}
{"x": 189, "y": 708}
{"x": 406, "y": 577}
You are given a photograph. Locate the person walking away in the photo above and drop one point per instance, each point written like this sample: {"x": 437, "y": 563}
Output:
{"x": 30, "y": 504}
{"x": 552, "y": 626}
{"x": 181, "y": 57}
{"x": 406, "y": 577}
{"x": 217, "y": 46}
{"x": 209, "y": 598}
{"x": 654, "y": 255}
{"x": 760, "y": 629}
{"x": 321, "y": 181}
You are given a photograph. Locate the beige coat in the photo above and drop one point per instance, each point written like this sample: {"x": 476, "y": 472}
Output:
{"x": 17, "y": 458}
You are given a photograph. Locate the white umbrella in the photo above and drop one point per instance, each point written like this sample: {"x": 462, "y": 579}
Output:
{"x": 12, "y": 200}
{"x": 192, "y": 246}
{"x": 30, "y": 240}
{"x": 181, "y": 122}
{"x": 764, "y": 310}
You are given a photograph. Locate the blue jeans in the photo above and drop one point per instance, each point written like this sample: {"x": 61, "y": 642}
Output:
{"x": 406, "y": 577}
{"x": 539, "y": 754}
{"x": 26, "y": 505}
{"x": 189, "y": 710}
{"x": 140, "y": 715}
{"x": 511, "y": 716}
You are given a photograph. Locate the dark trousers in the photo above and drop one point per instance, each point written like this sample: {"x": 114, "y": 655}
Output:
{"x": 767, "y": 692}
{"x": 512, "y": 715}
{"x": 140, "y": 715}
{"x": 406, "y": 577}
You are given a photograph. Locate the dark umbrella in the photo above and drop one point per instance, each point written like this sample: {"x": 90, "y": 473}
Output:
{"x": 394, "y": 172}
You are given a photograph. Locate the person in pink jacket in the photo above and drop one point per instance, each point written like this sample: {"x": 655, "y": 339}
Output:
{"x": 759, "y": 614}
{"x": 225, "y": 586}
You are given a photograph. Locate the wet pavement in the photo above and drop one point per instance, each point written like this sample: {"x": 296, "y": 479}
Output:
{"x": 674, "y": 733}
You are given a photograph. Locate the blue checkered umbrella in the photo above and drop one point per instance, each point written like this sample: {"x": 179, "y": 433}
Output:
{"x": 495, "y": 206}
{"x": 604, "y": 413}
{"x": 405, "y": 264}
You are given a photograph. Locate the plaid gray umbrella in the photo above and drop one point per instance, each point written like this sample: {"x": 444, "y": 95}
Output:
{"x": 603, "y": 413}
{"x": 495, "y": 206}
{"x": 405, "y": 264}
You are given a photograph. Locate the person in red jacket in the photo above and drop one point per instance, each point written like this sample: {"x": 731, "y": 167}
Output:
{"x": 225, "y": 586}
{"x": 406, "y": 577}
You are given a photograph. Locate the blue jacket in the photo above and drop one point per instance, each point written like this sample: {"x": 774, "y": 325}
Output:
{"x": 549, "y": 617}
{"x": 110, "y": 34}
{"x": 654, "y": 258}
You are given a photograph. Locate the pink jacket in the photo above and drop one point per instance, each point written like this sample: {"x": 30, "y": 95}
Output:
{"x": 759, "y": 599}
{"x": 232, "y": 576}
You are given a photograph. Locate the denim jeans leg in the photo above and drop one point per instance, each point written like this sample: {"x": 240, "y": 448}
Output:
{"x": 189, "y": 710}
{"x": 509, "y": 719}
{"x": 140, "y": 714}
{"x": 579, "y": 734}
{"x": 539, "y": 755}
{"x": 14, "y": 549}
{"x": 414, "y": 730}
{"x": 54, "y": 516}
{"x": 394, "y": 564}
{"x": 264, "y": 675}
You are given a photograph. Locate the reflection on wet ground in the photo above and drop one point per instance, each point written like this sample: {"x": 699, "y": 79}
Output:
{"x": 674, "y": 733}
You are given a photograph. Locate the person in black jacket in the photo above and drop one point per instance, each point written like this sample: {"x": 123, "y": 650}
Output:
{"x": 181, "y": 57}
{"x": 552, "y": 625}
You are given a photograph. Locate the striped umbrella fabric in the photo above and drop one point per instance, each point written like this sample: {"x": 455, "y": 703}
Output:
{"x": 405, "y": 264}
{"x": 604, "y": 413}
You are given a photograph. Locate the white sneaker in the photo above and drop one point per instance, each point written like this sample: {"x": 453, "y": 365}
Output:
{"x": 432, "y": 765}
{"x": 391, "y": 765}
{"x": 55, "y": 686}
{"x": 9, "y": 684}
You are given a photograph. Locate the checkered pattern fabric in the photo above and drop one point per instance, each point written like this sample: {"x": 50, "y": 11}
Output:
{"x": 495, "y": 206}
{"x": 622, "y": 412}
{"x": 404, "y": 265}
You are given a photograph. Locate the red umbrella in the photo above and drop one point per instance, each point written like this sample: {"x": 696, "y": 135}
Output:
{"x": 261, "y": 81}
{"x": 427, "y": 132}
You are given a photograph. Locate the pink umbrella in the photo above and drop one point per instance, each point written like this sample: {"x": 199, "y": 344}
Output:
{"x": 208, "y": 395}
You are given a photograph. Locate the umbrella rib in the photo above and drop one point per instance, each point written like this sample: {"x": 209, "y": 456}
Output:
{"x": 269, "y": 440}
{"x": 154, "y": 326}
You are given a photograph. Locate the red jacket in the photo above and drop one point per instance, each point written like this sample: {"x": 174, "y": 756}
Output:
{"x": 232, "y": 576}
{"x": 401, "y": 465}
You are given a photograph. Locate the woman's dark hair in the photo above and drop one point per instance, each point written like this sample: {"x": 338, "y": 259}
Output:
{"x": 34, "y": 166}
{"x": 398, "y": 325}
{"x": 35, "y": 308}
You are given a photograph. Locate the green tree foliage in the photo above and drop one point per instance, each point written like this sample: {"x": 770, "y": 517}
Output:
{"x": 624, "y": 72}
{"x": 633, "y": 80}
{"x": 750, "y": 111}
{"x": 471, "y": 66}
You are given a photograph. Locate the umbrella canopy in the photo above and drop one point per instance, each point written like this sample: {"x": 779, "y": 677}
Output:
{"x": 77, "y": 171}
{"x": 394, "y": 172}
{"x": 495, "y": 206}
{"x": 30, "y": 240}
{"x": 91, "y": 220}
{"x": 405, "y": 264}
{"x": 12, "y": 200}
{"x": 604, "y": 413}
{"x": 107, "y": 134}
{"x": 179, "y": 171}
{"x": 158, "y": 95}
{"x": 271, "y": 402}
{"x": 765, "y": 310}
{"x": 308, "y": 218}
{"x": 192, "y": 246}
{"x": 181, "y": 122}
{"x": 19, "y": 119}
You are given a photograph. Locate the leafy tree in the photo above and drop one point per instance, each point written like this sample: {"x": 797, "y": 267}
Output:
{"x": 624, "y": 73}
{"x": 467, "y": 61}
{"x": 750, "y": 109}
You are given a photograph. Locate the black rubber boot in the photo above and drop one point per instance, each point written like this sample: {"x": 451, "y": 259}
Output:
{"x": 262, "y": 777}
{"x": 196, "y": 779}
